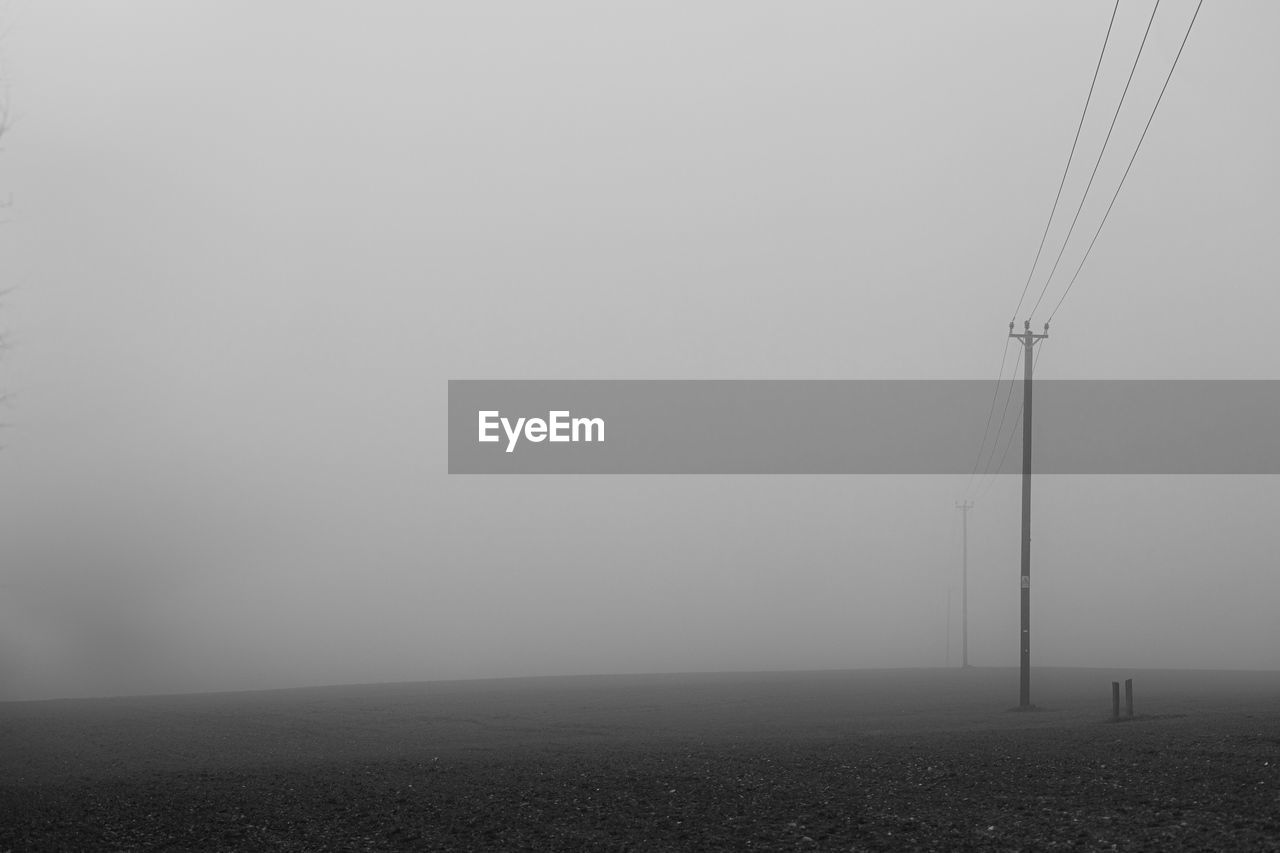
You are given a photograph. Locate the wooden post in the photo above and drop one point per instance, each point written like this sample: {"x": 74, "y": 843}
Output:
{"x": 1128, "y": 697}
{"x": 1115, "y": 700}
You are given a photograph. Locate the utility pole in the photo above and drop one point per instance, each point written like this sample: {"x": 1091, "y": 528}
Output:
{"x": 948, "y": 627}
{"x": 964, "y": 508}
{"x": 1029, "y": 340}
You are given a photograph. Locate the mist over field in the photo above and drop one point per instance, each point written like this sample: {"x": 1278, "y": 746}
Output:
{"x": 250, "y": 243}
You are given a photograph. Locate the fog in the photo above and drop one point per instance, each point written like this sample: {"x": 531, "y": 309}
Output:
{"x": 249, "y": 244}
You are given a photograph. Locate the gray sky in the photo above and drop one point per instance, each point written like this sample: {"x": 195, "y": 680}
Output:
{"x": 250, "y": 243}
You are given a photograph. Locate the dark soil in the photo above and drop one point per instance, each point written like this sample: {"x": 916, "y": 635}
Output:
{"x": 1172, "y": 781}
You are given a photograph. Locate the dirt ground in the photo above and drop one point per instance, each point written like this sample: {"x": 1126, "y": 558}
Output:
{"x": 889, "y": 760}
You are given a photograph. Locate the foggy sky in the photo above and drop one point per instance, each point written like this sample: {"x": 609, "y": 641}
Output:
{"x": 249, "y": 244}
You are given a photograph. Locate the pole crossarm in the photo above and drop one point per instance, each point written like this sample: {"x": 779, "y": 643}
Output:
{"x": 1028, "y": 337}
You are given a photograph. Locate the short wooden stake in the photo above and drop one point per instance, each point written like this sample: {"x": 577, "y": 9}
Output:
{"x": 1128, "y": 697}
{"x": 1115, "y": 700}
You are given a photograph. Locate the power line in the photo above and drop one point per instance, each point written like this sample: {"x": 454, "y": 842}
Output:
{"x": 995, "y": 392}
{"x": 1098, "y": 162}
{"x": 995, "y": 442}
{"x": 1063, "y": 182}
{"x": 1167, "y": 78}
{"x": 995, "y": 475}
{"x": 1070, "y": 231}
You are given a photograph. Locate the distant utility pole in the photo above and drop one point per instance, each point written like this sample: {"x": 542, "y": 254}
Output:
{"x": 948, "y": 627}
{"x": 1029, "y": 340}
{"x": 964, "y": 508}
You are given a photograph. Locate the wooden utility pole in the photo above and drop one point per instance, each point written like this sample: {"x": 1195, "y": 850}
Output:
{"x": 948, "y": 627}
{"x": 1029, "y": 340}
{"x": 964, "y": 508}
